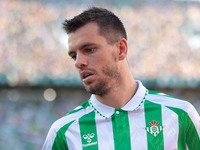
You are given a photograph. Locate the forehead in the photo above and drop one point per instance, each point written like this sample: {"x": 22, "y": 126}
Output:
{"x": 89, "y": 33}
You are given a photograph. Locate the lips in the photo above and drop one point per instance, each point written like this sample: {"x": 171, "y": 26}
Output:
{"x": 86, "y": 74}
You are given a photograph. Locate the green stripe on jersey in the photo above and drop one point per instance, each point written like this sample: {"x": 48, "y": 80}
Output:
{"x": 88, "y": 132}
{"x": 82, "y": 106}
{"x": 60, "y": 142}
{"x": 121, "y": 130}
{"x": 158, "y": 93}
{"x": 186, "y": 129}
{"x": 154, "y": 128}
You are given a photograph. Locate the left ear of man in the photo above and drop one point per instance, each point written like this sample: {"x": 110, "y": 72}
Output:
{"x": 123, "y": 49}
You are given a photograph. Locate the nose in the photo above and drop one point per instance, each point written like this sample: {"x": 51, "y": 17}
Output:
{"x": 81, "y": 60}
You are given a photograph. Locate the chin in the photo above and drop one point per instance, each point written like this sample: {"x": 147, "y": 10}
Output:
{"x": 97, "y": 89}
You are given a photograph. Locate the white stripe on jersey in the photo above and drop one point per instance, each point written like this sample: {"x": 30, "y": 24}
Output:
{"x": 73, "y": 135}
{"x": 49, "y": 139}
{"x": 171, "y": 129}
{"x": 138, "y": 133}
{"x": 105, "y": 133}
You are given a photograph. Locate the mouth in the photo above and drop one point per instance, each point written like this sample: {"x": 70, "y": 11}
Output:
{"x": 86, "y": 74}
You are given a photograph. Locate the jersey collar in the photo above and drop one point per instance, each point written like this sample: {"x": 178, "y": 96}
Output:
{"x": 135, "y": 102}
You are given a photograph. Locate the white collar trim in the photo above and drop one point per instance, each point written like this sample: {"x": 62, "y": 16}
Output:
{"x": 136, "y": 101}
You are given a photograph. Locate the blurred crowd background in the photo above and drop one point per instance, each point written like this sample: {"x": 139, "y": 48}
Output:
{"x": 39, "y": 84}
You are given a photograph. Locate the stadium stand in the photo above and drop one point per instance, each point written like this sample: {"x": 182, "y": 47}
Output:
{"x": 164, "y": 52}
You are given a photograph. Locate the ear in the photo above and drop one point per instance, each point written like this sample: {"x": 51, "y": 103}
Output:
{"x": 123, "y": 49}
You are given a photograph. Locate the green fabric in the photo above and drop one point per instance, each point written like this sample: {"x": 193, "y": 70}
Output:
{"x": 187, "y": 131}
{"x": 88, "y": 132}
{"x": 84, "y": 105}
{"x": 121, "y": 130}
{"x": 153, "y": 113}
{"x": 158, "y": 93}
{"x": 60, "y": 142}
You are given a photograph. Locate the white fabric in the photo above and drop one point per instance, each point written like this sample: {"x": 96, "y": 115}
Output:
{"x": 130, "y": 106}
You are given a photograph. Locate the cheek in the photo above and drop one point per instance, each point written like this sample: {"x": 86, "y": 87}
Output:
{"x": 98, "y": 61}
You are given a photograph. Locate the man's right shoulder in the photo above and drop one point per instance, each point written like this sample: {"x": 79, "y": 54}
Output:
{"x": 72, "y": 116}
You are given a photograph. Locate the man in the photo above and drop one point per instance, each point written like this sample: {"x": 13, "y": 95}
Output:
{"x": 121, "y": 113}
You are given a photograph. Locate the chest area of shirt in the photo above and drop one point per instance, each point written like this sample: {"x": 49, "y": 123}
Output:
{"x": 131, "y": 129}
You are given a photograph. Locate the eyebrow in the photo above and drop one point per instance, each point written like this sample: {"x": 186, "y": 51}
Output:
{"x": 81, "y": 47}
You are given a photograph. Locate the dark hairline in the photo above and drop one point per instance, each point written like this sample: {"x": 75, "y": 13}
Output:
{"x": 110, "y": 27}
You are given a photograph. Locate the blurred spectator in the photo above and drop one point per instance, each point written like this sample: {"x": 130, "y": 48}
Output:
{"x": 164, "y": 40}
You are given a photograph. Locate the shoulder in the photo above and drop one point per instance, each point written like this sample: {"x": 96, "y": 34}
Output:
{"x": 72, "y": 116}
{"x": 168, "y": 101}
{"x": 61, "y": 125}
{"x": 181, "y": 107}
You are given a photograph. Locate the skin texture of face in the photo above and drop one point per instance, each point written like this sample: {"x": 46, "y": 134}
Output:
{"x": 95, "y": 59}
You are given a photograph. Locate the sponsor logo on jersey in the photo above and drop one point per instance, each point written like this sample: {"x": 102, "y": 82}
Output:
{"x": 154, "y": 129}
{"x": 88, "y": 138}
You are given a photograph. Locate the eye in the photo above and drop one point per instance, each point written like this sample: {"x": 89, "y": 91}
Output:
{"x": 90, "y": 50}
{"x": 73, "y": 57}
{"x": 72, "y": 54}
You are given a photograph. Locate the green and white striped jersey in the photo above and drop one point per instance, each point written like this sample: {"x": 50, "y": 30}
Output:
{"x": 149, "y": 121}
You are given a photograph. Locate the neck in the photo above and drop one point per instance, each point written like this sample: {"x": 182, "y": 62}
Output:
{"x": 121, "y": 95}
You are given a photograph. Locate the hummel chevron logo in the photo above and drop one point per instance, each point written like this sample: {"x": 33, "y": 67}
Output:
{"x": 89, "y": 137}
{"x": 154, "y": 129}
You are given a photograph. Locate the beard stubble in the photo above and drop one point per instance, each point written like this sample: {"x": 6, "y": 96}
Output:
{"x": 107, "y": 83}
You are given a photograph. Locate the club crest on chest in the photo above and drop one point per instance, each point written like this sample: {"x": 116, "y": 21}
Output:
{"x": 154, "y": 128}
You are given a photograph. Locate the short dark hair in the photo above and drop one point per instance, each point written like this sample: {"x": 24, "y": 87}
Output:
{"x": 110, "y": 26}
